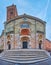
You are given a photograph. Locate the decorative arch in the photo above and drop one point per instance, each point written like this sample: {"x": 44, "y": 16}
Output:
{"x": 25, "y": 41}
{"x": 8, "y": 37}
{"x": 25, "y": 32}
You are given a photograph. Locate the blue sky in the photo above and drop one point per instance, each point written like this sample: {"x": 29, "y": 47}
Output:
{"x": 37, "y": 8}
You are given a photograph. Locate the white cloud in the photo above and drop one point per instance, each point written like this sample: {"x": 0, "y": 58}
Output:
{"x": 48, "y": 31}
{"x": 22, "y": 3}
{"x": 43, "y": 12}
{"x": 26, "y": 7}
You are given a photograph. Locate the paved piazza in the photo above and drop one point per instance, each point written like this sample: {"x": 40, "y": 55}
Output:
{"x": 46, "y": 62}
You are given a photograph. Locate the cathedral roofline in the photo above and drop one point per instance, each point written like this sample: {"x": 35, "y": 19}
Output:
{"x": 27, "y": 16}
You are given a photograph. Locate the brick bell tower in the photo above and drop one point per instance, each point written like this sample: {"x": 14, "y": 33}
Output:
{"x": 11, "y": 12}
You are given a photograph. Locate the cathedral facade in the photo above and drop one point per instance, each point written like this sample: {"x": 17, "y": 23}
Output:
{"x": 23, "y": 31}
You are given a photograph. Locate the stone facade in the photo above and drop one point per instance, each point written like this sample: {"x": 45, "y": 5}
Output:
{"x": 24, "y": 32}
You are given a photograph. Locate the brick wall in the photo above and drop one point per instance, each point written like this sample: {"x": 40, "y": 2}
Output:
{"x": 48, "y": 45}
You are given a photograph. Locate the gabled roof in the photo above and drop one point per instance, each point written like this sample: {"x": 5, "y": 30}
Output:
{"x": 26, "y": 16}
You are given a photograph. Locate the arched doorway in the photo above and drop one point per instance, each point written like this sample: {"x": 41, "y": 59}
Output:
{"x": 40, "y": 44}
{"x": 25, "y": 32}
{"x": 9, "y": 45}
{"x": 25, "y": 41}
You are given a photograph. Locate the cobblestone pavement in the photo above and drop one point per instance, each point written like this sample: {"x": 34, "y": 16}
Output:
{"x": 46, "y": 62}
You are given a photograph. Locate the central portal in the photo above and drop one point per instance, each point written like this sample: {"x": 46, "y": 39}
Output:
{"x": 25, "y": 44}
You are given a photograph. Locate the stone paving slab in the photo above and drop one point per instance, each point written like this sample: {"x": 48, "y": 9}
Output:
{"x": 46, "y": 62}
